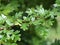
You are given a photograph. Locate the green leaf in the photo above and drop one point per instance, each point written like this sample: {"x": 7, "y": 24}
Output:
{"x": 24, "y": 26}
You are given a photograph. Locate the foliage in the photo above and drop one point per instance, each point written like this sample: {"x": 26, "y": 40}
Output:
{"x": 32, "y": 20}
{"x": 8, "y": 37}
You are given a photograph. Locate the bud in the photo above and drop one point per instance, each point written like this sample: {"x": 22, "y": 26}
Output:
{"x": 24, "y": 17}
{"x": 55, "y": 5}
{"x": 1, "y": 36}
{"x": 33, "y": 19}
{"x": 3, "y": 16}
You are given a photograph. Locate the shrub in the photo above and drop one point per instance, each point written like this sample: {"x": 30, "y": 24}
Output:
{"x": 33, "y": 23}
